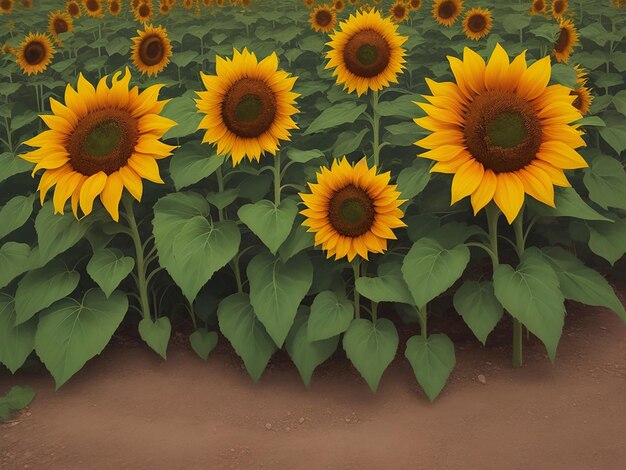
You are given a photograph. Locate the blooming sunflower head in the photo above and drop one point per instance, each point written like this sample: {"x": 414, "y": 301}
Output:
{"x": 323, "y": 18}
{"x": 399, "y": 11}
{"x": 352, "y": 210}
{"x": 35, "y": 53}
{"x": 566, "y": 40}
{"x": 72, "y": 8}
{"x": 559, "y": 7}
{"x": 501, "y": 130}
{"x": 248, "y": 105}
{"x": 446, "y": 12}
{"x": 6, "y": 6}
{"x": 538, "y": 7}
{"x": 151, "y": 50}
{"x": 114, "y": 7}
{"x": 477, "y": 23}
{"x": 59, "y": 23}
{"x": 144, "y": 12}
{"x": 366, "y": 52}
{"x": 93, "y": 8}
{"x": 102, "y": 140}
{"x": 339, "y": 5}
{"x": 7, "y": 49}
{"x": 164, "y": 7}
{"x": 414, "y": 4}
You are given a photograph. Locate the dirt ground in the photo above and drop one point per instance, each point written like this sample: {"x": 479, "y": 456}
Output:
{"x": 127, "y": 409}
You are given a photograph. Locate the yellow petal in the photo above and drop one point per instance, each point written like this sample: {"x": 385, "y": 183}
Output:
{"x": 466, "y": 180}
{"x": 537, "y": 184}
{"x": 485, "y": 191}
{"x": 509, "y": 195}
{"x": 111, "y": 195}
{"x": 534, "y": 80}
{"x": 91, "y": 188}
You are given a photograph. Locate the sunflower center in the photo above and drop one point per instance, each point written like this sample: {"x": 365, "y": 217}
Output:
{"x": 114, "y": 7}
{"x": 60, "y": 26}
{"x": 144, "y": 10}
{"x": 502, "y": 131}
{"x": 151, "y": 50}
{"x": 34, "y": 53}
{"x": 399, "y": 11}
{"x": 539, "y": 5}
{"x": 103, "y": 140}
{"x": 351, "y": 211}
{"x": 5, "y": 4}
{"x": 323, "y": 18}
{"x": 562, "y": 41}
{"x": 578, "y": 102}
{"x": 367, "y": 53}
{"x": 92, "y": 5}
{"x": 447, "y": 9}
{"x": 477, "y": 23}
{"x": 73, "y": 9}
{"x": 559, "y": 6}
{"x": 249, "y": 107}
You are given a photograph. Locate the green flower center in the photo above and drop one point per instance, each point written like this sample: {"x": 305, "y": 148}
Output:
{"x": 351, "y": 211}
{"x": 248, "y": 108}
{"x": 367, "y": 54}
{"x": 103, "y": 139}
{"x": 507, "y": 130}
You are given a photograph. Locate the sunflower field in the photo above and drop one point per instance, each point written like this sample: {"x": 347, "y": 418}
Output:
{"x": 307, "y": 175}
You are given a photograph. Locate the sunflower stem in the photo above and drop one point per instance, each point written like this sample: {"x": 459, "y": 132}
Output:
{"x": 356, "y": 268}
{"x": 493, "y": 213}
{"x": 220, "y": 188}
{"x": 423, "y": 316}
{"x": 375, "y": 128}
{"x": 277, "y": 179}
{"x": 518, "y": 228}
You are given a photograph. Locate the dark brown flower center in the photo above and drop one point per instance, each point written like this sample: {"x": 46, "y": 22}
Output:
{"x": 416, "y": 3}
{"x": 367, "y": 53}
{"x": 399, "y": 11}
{"x": 559, "y": 6}
{"x": 5, "y": 4}
{"x": 134, "y": 4}
{"x": 539, "y": 5}
{"x": 249, "y": 107}
{"x": 144, "y": 10}
{"x": 351, "y": 211}
{"x": 60, "y": 26}
{"x": 103, "y": 140}
{"x": 323, "y": 18}
{"x": 447, "y": 9}
{"x": 73, "y": 9}
{"x": 34, "y": 52}
{"x": 151, "y": 50}
{"x": 114, "y": 7}
{"x": 563, "y": 41}
{"x": 92, "y": 5}
{"x": 477, "y": 23}
{"x": 502, "y": 131}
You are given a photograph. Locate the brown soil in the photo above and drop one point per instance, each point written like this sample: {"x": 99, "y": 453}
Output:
{"x": 127, "y": 409}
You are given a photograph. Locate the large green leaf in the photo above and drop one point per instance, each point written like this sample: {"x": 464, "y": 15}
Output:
{"x": 42, "y": 287}
{"x": 17, "y": 398}
{"x": 108, "y": 268}
{"x": 71, "y": 332}
{"x": 183, "y": 110}
{"x": 276, "y": 290}
{"x": 16, "y": 341}
{"x": 330, "y": 316}
{"x": 477, "y": 304}
{"x": 57, "y": 233}
{"x": 606, "y": 181}
{"x": 15, "y": 213}
{"x": 11, "y": 164}
{"x": 568, "y": 204}
{"x": 413, "y": 179}
{"x": 299, "y": 239}
{"x": 389, "y": 286}
{"x": 14, "y": 259}
{"x": 432, "y": 360}
{"x": 246, "y": 334}
{"x": 371, "y": 347}
{"x": 582, "y": 284}
{"x": 608, "y": 239}
{"x": 430, "y": 269}
{"x": 156, "y": 334}
{"x": 336, "y": 115}
{"x": 203, "y": 248}
{"x": 269, "y": 222}
{"x": 615, "y": 132}
{"x": 193, "y": 162}
{"x": 349, "y": 141}
{"x": 531, "y": 294}
{"x": 203, "y": 341}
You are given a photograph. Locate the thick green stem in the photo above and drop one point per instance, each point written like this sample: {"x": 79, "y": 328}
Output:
{"x": 423, "y": 314}
{"x": 142, "y": 284}
{"x": 277, "y": 179}
{"x": 220, "y": 188}
{"x": 376, "y": 128}
{"x": 493, "y": 213}
{"x": 356, "y": 267}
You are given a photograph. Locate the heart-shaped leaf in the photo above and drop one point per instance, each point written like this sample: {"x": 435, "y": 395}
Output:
{"x": 271, "y": 223}
{"x": 329, "y": 317}
{"x": 432, "y": 360}
{"x": 203, "y": 341}
{"x": 108, "y": 268}
{"x": 156, "y": 334}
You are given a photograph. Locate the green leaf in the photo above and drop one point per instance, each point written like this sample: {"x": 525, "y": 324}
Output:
{"x": 371, "y": 347}
{"x": 70, "y": 332}
{"x": 596, "y": 32}
{"x": 512, "y": 23}
{"x": 413, "y": 179}
{"x": 531, "y": 294}
{"x": 269, "y": 222}
{"x": 14, "y": 259}
{"x": 57, "y": 233}
{"x": 183, "y": 110}
{"x": 547, "y": 31}
{"x": 156, "y": 334}
{"x": 479, "y": 307}
{"x": 303, "y": 156}
{"x": 108, "y": 268}
{"x": 16, "y": 399}
{"x": 349, "y": 141}
{"x": 430, "y": 269}
{"x": 564, "y": 75}
{"x": 582, "y": 284}
{"x": 183, "y": 59}
{"x": 203, "y": 248}
{"x": 608, "y": 239}
{"x": 619, "y": 101}
{"x": 336, "y": 115}
{"x": 224, "y": 198}
{"x": 307, "y": 354}
{"x": 191, "y": 163}
{"x": 276, "y": 290}
{"x": 299, "y": 239}
{"x": 403, "y": 107}
{"x": 568, "y": 204}
{"x": 203, "y": 341}
{"x": 432, "y": 360}
{"x": 330, "y": 316}
{"x": 606, "y": 181}
{"x": 12, "y": 165}
{"x": 42, "y": 287}
{"x": 246, "y": 334}
{"x": 16, "y": 342}
{"x": 15, "y": 213}
{"x": 615, "y": 132}
{"x": 389, "y": 286}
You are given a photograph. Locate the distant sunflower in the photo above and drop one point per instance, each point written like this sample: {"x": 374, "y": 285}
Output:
{"x": 101, "y": 141}
{"x": 399, "y": 11}
{"x": 339, "y": 5}
{"x": 248, "y": 106}
{"x": 35, "y": 53}
{"x": 59, "y": 23}
{"x": 144, "y": 12}
{"x": 93, "y": 8}
{"x": 134, "y": 4}
{"x": 414, "y": 4}
{"x": 568, "y": 38}
{"x": 366, "y": 52}
{"x": 446, "y": 12}
{"x": 354, "y": 2}
{"x": 323, "y": 18}
{"x": 477, "y": 23}
{"x": 501, "y": 130}
{"x": 72, "y": 7}
{"x": 365, "y": 7}
{"x": 6, "y": 6}
{"x": 583, "y": 94}
{"x": 7, "y": 49}
{"x": 164, "y": 7}
{"x": 114, "y": 7}
{"x": 559, "y": 7}
{"x": 618, "y": 3}
{"x": 27, "y": 3}
{"x": 207, "y": 3}
{"x": 188, "y": 4}
{"x": 538, "y": 7}
{"x": 352, "y": 210}
{"x": 309, "y": 3}
{"x": 151, "y": 50}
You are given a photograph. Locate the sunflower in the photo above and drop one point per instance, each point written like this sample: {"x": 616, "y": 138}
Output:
{"x": 352, "y": 210}
{"x": 366, "y": 53}
{"x": 477, "y": 23}
{"x": 568, "y": 38}
{"x": 207, "y": 3}
{"x": 501, "y": 130}
{"x": 114, "y": 7}
{"x": 339, "y": 5}
{"x": 59, "y": 23}
{"x": 134, "y": 4}
{"x": 93, "y": 8}
{"x": 151, "y": 50}
{"x": 309, "y": 3}
{"x": 365, "y": 7}
{"x": 399, "y": 11}
{"x": 246, "y": 3}
{"x": 144, "y": 12}
{"x": 559, "y": 7}
{"x": 7, "y": 49}
{"x": 35, "y": 53}
{"x": 72, "y": 7}
{"x": 618, "y": 3}
{"x": 248, "y": 106}
{"x": 446, "y": 12}
{"x": 538, "y": 7}
{"x": 102, "y": 140}
{"x": 583, "y": 99}
{"x": 27, "y": 3}
{"x": 354, "y": 2}
{"x": 6, "y": 6}
{"x": 188, "y": 4}
{"x": 323, "y": 18}
{"x": 164, "y": 7}
{"x": 414, "y": 4}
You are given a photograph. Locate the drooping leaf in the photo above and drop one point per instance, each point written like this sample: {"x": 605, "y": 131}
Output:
{"x": 479, "y": 307}
{"x": 15, "y": 213}
{"x": 108, "y": 268}
{"x": 330, "y": 316}
{"x": 203, "y": 341}
{"x": 269, "y": 222}
{"x": 432, "y": 360}
{"x": 16, "y": 341}
{"x": 156, "y": 334}
{"x": 336, "y": 115}
{"x": 388, "y": 286}
{"x": 14, "y": 259}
